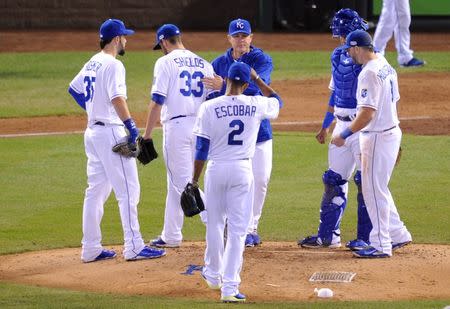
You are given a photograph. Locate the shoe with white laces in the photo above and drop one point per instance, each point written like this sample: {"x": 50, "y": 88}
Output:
{"x": 104, "y": 255}
{"x": 370, "y": 253}
{"x": 399, "y": 245}
{"x": 357, "y": 244}
{"x": 249, "y": 241}
{"x": 314, "y": 242}
{"x": 158, "y": 242}
{"x": 238, "y": 298}
{"x": 148, "y": 253}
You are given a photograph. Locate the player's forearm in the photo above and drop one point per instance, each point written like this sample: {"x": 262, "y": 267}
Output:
{"x": 121, "y": 107}
{"x": 198, "y": 168}
{"x": 265, "y": 89}
{"x": 363, "y": 117}
{"x": 152, "y": 118}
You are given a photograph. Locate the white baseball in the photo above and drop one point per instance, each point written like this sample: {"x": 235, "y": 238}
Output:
{"x": 324, "y": 292}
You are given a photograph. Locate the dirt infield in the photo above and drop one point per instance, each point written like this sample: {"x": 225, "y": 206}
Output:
{"x": 275, "y": 271}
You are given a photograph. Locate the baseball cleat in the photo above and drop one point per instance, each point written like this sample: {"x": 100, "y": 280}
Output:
{"x": 357, "y": 245}
{"x": 104, "y": 255}
{"x": 158, "y": 242}
{"x": 370, "y": 253}
{"x": 249, "y": 241}
{"x": 399, "y": 245}
{"x": 413, "y": 63}
{"x": 148, "y": 253}
{"x": 211, "y": 285}
{"x": 238, "y": 298}
{"x": 314, "y": 242}
{"x": 256, "y": 239}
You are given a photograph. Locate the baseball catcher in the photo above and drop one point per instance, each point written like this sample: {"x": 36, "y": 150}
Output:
{"x": 191, "y": 201}
{"x": 147, "y": 150}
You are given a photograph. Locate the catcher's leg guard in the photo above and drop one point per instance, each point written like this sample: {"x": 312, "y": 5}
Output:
{"x": 364, "y": 223}
{"x": 332, "y": 206}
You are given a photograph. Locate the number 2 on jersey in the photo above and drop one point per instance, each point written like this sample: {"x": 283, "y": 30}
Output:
{"x": 193, "y": 83}
{"x": 233, "y": 134}
{"x": 89, "y": 81}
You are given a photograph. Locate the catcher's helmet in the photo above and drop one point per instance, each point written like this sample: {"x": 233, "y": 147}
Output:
{"x": 346, "y": 21}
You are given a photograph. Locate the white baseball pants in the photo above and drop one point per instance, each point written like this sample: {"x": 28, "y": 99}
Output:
{"x": 107, "y": 170}
{"x": 378, "y": 156}
{"x": 229, "y": 195}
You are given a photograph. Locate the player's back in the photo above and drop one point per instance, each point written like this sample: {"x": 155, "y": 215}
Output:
{"x": 231, "y": 123}
{"x": 178, "y": 78}
{"x": 101, "y": 80}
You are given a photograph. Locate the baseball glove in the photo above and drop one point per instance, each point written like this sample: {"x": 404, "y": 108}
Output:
{"x": 191, "y": 201}
{"x": 126, "y": 149}
{"x": 147, "y": 150}
{"x": 399, "y": 156}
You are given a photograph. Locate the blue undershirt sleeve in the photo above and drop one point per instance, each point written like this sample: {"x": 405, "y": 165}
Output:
{"x": 331, "y": 100}
{"x": 201, "y": 148}
{"x": 158, "y": 98}
{"x": 78, "y": 97}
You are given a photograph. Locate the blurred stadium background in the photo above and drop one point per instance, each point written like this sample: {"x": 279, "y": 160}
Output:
{"x": 265, "y": 15}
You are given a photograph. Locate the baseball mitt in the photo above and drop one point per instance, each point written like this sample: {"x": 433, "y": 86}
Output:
{"x": 126, "y": 149}
{"x": 147, "y": 150}
{"x": 191, "y": 201}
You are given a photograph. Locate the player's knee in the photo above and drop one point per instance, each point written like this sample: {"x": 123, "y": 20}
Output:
{"x": 333, "y": 184}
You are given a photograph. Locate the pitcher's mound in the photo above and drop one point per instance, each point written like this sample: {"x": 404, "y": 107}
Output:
{"x": 275, "y": 271}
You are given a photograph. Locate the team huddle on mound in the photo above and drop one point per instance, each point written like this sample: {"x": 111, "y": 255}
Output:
{"x": 219, "y": 114}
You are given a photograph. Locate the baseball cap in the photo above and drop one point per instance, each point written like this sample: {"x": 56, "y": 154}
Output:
{"x": 112, "y": 28}
{"x": 358, "y": 38}
{"x": 164, "y": 32}
{"x": 239, "y": 71}
{"x": 239, "y": 26}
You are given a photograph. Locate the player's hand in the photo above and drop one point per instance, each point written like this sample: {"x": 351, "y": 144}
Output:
{"x": 322, "y": 135}
{"x": 214, "y": 83}
{"x": 337, "y": 140}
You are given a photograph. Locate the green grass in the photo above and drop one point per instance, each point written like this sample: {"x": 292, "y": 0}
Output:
{"x": 35, "y": 84}
{"x": 43, "y": 193}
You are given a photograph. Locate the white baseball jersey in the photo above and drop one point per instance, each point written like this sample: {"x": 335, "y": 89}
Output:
{"x": 378, "y": 89}
{"x": 101, "y": 80}
{"x": 177, "y": 77}
{"x": 230, "y": 121}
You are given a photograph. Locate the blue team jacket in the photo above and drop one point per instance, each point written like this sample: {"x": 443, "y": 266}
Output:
{"x": 262, "y": 64}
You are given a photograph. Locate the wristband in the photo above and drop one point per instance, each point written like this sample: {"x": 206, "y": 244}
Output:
{"x": 346, "y": 133}
{"x": 327, "y": 120}
{"x": 132, "y": 129}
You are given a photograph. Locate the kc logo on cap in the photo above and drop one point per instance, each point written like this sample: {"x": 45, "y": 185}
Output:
{"x": 239, "y": 26}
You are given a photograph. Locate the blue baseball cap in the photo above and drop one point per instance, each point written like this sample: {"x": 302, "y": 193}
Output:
{"x": 239, "y": 26}
{"x": 239, "y": 71}
{"x": 164, "y": 32}
{"x": 358, "y": 38}
{"x": 112, "y": 28}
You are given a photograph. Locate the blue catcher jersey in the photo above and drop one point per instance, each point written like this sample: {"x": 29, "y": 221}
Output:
{"x": 262, "y": 64}
{"x": 344, "y": 78}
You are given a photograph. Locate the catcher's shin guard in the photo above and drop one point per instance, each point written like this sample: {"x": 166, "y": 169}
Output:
{"x": 364, "y": 223}
{"x": 332, "y": 206}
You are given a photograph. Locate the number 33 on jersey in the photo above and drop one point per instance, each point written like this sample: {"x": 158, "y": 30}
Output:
{"x": 178, "y": 77}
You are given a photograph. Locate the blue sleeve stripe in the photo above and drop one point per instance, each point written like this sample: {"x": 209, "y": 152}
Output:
{"x": 201, "y": 148}
{"x": 79, "y": 98}
{"x": 158, "y": 98}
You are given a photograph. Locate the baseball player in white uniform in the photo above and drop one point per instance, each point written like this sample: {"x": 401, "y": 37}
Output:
{"x": 395, "y": 18}
{"x": 100, "y": 89}
{"x": 177, "y": 93}
{"x": 226, "y": 131}
{"x": 380, "y": 137}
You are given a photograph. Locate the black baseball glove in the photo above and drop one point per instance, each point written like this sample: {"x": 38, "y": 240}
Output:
{"x": 191, "y": 201}
{"x": 147, "y": 150}
{"x": 126, "y": 149}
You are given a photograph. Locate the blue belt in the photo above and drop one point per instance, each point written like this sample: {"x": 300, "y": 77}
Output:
{"x": 379, "y": 131}
{"x": 99, "y": 123}
{"x": 179, "y": 116}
